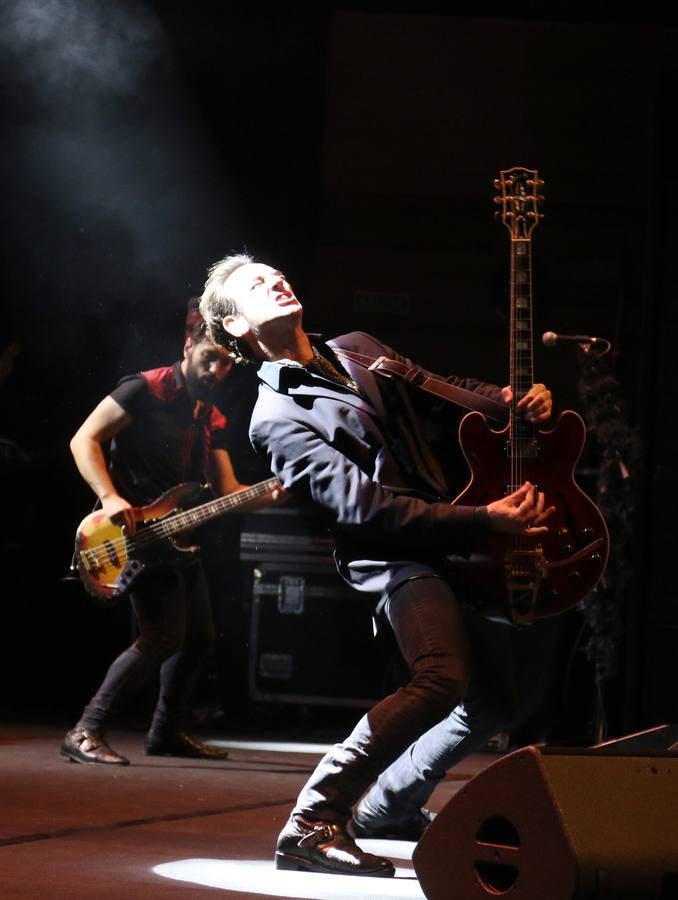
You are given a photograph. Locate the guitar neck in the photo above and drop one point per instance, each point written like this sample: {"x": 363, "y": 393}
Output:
{"x": 198, "y": 515}
{"x": 521, "y": 348}
{"x": 518, "y": 199}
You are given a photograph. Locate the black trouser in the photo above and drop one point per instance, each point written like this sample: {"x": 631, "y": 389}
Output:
{"x": 175, "y": 633}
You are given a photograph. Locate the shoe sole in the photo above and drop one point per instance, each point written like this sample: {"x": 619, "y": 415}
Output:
{"x": 297, "y": 864}
{"x": 90, "y": 762}
{"x": 168, "y": 753}
{"x": 386, "y": 836}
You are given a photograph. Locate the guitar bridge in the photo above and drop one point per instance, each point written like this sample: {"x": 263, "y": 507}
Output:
{"x": 524, "y": 571}
{"x": 89, "y": 560}
{"x": 93, "y": 560}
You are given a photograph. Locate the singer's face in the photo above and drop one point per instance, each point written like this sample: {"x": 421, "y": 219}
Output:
{"x": 262, "y": 296}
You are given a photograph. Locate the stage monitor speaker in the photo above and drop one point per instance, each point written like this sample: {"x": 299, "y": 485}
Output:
{"x": 546, "y": 825}
{"x": 652, "y": 740}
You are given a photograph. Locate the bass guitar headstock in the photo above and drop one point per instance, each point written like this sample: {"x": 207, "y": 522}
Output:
{"x": 518, "y": 199}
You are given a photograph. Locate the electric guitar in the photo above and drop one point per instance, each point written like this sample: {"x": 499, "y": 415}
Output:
{"x": 108, "y": 558}
{"x": 523, "y": 578}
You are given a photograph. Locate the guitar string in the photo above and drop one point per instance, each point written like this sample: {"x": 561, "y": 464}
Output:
{"x": 125, "y": 545}
{"x": 160, "y": 529}
{"x": 194, "y": 516}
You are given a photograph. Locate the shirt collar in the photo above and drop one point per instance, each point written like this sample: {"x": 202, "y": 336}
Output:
{"x": 272, "y": 372}
{"x": 179, "y": 380}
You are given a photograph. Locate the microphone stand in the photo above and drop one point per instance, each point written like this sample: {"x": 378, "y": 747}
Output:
{"x": 619, "y": 455}
{"x": 599, "y": 347}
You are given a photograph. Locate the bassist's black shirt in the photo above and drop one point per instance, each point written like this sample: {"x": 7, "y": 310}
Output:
{"x": 169, "y": 438}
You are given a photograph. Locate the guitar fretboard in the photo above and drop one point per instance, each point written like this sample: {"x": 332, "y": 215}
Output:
{"x": 191, "y": 518}
{"x": 521, "y": 362}
{"x": 518, "y": 199}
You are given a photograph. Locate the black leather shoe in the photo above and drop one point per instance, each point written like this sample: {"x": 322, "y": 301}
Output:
{"x": 411, "y": 830}
{"x": 182, "y": 745}
{"x": 306, "y": 846}
{"x": 86, "y": 745}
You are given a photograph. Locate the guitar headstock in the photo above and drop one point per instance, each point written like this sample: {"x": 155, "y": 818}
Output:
{"x": 519, "y": 201}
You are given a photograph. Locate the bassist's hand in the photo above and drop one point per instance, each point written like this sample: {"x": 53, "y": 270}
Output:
{"x": 521, "y": 512}
{"x": 119, "y": 511}
{"x": 536, "y": 405}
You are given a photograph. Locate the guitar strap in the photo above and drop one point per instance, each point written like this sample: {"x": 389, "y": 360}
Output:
{"x": 417, "y": 377}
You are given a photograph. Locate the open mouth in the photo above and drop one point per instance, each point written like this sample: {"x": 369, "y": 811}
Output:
{"x": 285, "y": 299}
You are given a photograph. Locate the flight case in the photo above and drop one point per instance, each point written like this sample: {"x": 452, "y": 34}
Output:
{"x": 311, "y": 637}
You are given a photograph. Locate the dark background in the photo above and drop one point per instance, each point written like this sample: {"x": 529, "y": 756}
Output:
{"x": 355, "y": 148}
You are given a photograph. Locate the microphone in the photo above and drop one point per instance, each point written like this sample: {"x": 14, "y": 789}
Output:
{"x": 550, "y": 338}
{"x": 586, "y": 341}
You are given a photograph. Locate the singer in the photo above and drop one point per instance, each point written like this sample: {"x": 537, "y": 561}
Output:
{"x": 359, "y": 447}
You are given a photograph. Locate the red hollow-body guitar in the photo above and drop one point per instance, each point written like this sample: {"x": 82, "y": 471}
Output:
{"x": 523, "y": 578}
{"x": 109, "y": 559}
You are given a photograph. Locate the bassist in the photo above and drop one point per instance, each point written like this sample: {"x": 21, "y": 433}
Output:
{"x": 163, "y": 429}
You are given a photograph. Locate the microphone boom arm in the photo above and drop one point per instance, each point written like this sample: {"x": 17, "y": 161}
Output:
{"x": 585, "y": 341}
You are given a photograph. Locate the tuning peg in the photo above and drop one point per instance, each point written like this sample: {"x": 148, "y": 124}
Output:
{"x": 540, "y": 198}
{"x": 497, "y": 183}
{"x": 498, "y": 200}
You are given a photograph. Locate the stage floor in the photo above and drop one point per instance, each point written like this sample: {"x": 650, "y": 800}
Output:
{"x": 165, "y": 827}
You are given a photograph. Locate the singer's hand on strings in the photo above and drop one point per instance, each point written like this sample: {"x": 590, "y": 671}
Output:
{"x": 536, "y": 404}
{"x": 522, "y": 512}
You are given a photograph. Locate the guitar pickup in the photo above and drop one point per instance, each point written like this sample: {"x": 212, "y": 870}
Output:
{"x": 522, "y": 449}
{"x": 512, "y": 488}
{"x": 110, "y": 552}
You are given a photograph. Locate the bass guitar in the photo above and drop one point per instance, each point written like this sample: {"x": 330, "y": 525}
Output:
{"x": 522, "y": 578}
{"x": 108, "y": 558}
